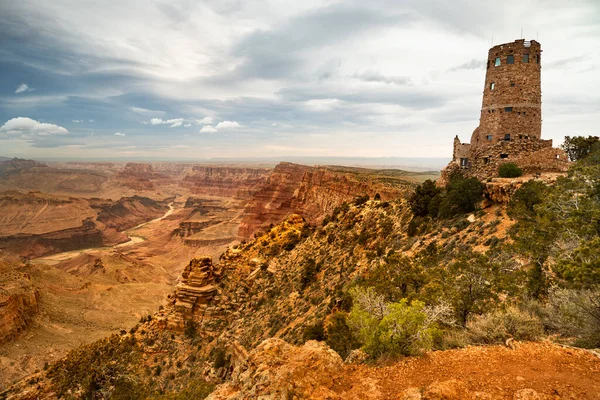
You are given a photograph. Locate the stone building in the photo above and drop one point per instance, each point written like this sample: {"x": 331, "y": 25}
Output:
{"x": 510, "y": 124}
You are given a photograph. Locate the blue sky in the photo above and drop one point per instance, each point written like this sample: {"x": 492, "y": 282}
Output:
{"x": 188, "y": 79}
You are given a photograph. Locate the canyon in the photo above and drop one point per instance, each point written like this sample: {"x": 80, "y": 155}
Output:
{"x": 94, "y": 247}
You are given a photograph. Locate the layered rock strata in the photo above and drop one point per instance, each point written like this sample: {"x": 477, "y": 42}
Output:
{"x": 240, "y": 183}
{"x": 311, "y": 192}
{"x": 19, "y": 301}
{"x": 196, "y": 296}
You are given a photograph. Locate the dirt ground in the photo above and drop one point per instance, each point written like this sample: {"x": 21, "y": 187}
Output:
{"x": 495, "y": 372}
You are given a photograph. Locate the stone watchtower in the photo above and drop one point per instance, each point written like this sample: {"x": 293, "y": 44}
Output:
{"x": 510, "y": 124}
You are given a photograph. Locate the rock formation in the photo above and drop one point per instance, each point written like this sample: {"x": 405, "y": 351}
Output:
{"x": 278, "y": 370}
{"x": 196, "y": 297}
{"x": 36, "y": 245}
{"x": 311, "y": 192}
{"x": 18, "y": 302}
{"x": 128, "y": 212}
{"x": 236, "y": 182}
{"x": 16, "y": 165}
{"x": 138, "y": 176}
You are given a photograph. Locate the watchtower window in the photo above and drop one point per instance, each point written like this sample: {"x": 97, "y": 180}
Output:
{"x": 503, "y": 155}
{"x": 525, "y": 58}
{"x": 512, "y": 84}
{"x": 510, "y": 59}
{"x": 489, "y": 137}
{"x": 507, "y": 109}
{"x": 537, "y": 58}
{"x": 497, "y": 62}
{"x": 507, "y": 137}
{"x": 492, "y": 86}
{"x": 464, "y": 162}
{"x": 486, "y": 160}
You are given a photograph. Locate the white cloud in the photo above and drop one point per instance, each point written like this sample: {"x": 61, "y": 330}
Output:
{"x": 228, "y": 125}
{"x": 119, "y": 134}
{"x": 77, "y": 121}
{"x": 91, "y": 120}
{"x": 187, "y": 125}
{"x": 174, "y": 122}
{"x": 207, "y": 129}
{"x": 145, "y": 111}
{"x": 23, "y": 87}
{"x": 28, "y": 128}
{"x": 205, "y": 121}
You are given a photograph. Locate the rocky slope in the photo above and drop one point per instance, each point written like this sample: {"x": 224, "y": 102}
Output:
{"x": 16, "y": 165}
{"x": 313, "y": 193}
{"x": 128, "y": 212}
{"x": 36, "y": 245}
{"x": 36, "y": 213}
{"x": 530, "y": 371}
{"x": 18, "y": 302}
{"x": 236, "y": 182}
{"x": 240, "y": 321}
{"x": 38, "y": 224}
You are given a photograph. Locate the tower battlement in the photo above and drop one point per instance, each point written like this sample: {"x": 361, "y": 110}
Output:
{"x": 510, "y": 122}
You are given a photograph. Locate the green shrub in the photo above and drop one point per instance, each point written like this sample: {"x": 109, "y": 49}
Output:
{"x": 190, "y": 328}
{"x": 291, "y": 240}
{"x": 221, "y": 359}
{"x": 314, "y": 332}
{"x": 576, "y": 314}
{"x": 360, "y": 200}
{"x": 194, "y": 389}
{"x": 309, "y": 273}
{"x": 499, "y": 325}
{"x": 579, "y": 147}
{"x": 390, "y": 329}
{"x": 421, "y": 199}
{"x": 338, "y": 335}
{"x": 523, "y": 201}
{"x": 509, "y": 170}
{"x": 100, "y": 367}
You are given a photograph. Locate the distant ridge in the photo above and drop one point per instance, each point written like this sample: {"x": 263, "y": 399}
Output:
{"x": 418, "y": 164}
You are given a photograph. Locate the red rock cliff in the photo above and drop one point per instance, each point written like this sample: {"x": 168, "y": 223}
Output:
{"x": 18, "y": 302}
{"x": 238, "y": 182}
{"x": 312, "y": 192}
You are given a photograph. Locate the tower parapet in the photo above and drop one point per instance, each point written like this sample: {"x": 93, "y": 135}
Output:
{"x": 510, "y": 123}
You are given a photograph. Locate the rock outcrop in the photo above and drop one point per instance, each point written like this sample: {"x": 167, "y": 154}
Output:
{"x": 278, "y": 370}
{"x": 236, "y": 182}
{"x": 36, "y": 245}
{"x": 128, "y": 212}
{"x": 500, "y": 190}
{"x": 138, "y": 176}
{"x": 311, "y": 192}
{"x": 16, "y": 165}
{"x": 196, "y": 297}
{"x": 18, "y": 303}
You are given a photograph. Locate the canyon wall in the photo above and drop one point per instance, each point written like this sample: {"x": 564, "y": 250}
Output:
{"x": 36, "y": 245}
{"x": 312, "y": 192}
{"x": 236, "y": 182}
{"x": 128, "y": 212}
{"x": 37, "y": 213}
{"x": 18, "y": 303}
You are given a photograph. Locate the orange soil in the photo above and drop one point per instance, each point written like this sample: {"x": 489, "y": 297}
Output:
{"x": 497, "y": 371}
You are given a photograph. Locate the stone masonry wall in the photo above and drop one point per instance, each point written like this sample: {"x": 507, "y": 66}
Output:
{"x": 512, "y": 95}
{"x": 510, "y": 124}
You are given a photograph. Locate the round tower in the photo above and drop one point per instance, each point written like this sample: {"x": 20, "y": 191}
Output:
{"x": 511, "y": 109}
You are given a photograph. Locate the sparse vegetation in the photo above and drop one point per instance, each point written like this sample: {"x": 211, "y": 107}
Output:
{"x": 509, "y": 170}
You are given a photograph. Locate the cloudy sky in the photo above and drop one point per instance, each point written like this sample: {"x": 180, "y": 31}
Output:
{"x": 188, "y": 79}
